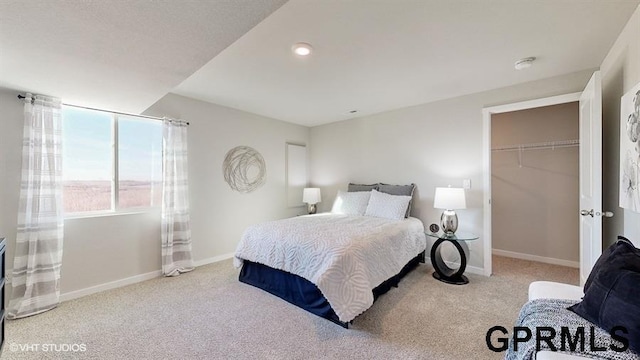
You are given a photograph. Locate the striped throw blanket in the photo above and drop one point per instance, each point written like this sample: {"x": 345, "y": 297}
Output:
{"x": 553, "y": 313}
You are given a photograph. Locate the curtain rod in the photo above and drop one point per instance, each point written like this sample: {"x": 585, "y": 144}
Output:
{"x": 115, "y": 112}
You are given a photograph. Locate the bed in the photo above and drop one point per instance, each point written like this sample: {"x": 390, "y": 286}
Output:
{"x": 333, "y": 265}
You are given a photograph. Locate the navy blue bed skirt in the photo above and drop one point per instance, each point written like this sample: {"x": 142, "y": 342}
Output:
{"x": 303, "y": 293}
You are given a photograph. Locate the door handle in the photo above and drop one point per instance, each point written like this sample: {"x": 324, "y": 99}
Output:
{"x": 586, "y": 212}
{"x": 591, "y": 213}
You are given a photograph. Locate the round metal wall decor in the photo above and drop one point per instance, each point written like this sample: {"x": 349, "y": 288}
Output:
{"x": 244, "y": 169}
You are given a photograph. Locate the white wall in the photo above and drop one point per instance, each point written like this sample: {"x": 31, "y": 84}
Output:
{"x": 104, "y": 249}
{"x": 11, "y": 118}
{"x": 620, "y": 72}
{"x": 219, "y": 215}
{"x": 434, "y": 144}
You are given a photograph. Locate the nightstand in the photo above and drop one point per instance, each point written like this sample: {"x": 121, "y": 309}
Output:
{"x": 442, "y": 271}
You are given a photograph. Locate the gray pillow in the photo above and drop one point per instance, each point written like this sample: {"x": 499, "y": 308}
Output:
{"x": 361, "y": 187}
{"x": 404, "y": 190}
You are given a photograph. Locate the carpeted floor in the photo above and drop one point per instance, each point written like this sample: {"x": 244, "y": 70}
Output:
{"x": 208, "y": 314}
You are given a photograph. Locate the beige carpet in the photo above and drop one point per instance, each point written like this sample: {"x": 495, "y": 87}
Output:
{"x": 208, "y": 314}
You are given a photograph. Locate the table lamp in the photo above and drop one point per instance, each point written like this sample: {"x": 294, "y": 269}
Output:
{"x": 449, "y": 199}
{"x": 311, "y": 196}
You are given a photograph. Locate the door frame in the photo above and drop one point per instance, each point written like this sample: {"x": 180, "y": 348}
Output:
{"x": 486, "y": 158}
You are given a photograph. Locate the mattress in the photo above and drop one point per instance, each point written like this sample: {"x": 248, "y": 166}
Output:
{"x": 345, "y": 256}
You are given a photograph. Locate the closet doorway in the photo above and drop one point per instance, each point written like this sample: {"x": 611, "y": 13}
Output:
{"x": 531, "y": 149}
{"x": 535, "y": 184}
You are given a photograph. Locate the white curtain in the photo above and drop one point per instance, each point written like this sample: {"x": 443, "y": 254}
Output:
{"x": 176, "y": 228}
{"x": 38, "y": 253}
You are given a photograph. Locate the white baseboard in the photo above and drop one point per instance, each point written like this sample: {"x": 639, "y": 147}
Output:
{"x": 109, "y": 286}
{"x": 133, "y": 279}
{"x": 475, "y": 270}
{"x": 542, "y": 259}
{"x": 470, "y": 269}
{"x": 214, "y": 259}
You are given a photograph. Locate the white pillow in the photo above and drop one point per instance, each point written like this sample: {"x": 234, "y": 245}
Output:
{"x": 387, "y": 206}
{"x": 351, "y": 203}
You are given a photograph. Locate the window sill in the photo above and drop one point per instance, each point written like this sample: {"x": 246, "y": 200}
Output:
{"x": 95, "y": 214}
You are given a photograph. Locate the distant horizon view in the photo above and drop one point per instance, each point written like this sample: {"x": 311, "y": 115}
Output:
{"x": 88, "y": 160}
{"x": 81, "y": 196}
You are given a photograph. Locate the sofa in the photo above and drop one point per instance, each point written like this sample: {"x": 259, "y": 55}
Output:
{"x": 609, "y": 304}
{"x": 554, "y": 290}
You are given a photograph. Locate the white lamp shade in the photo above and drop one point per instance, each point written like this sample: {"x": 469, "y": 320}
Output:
{"x": 449, "y": 199}
{"x": 311, "y": 195}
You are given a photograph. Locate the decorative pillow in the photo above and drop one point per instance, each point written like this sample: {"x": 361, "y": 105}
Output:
{"x": 361, "y": 187}
{"x": 405, "y": 190}
{"x": 604, "y": 258}
{"x": 612, "y": 296}
{"x": 387, "y": 206}
{"x": 351, "y": 203}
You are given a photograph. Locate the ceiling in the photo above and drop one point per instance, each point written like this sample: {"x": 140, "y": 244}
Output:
{"x": 116, "y": 54}
{"x": 369, "y": 55}
{"x": 377, "y": 55}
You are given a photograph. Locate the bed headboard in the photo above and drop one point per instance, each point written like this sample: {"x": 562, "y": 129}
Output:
{"x": 405, "y": 190}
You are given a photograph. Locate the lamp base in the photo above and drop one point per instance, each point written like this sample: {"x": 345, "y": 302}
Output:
{"x": 449, "y": 222}
{"x": 312, "y": 209}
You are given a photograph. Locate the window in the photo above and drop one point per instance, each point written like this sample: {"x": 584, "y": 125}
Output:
{"x": 87, "y": 160}
{"x": 111, "y": 162}
{"x": 139, "y": 162}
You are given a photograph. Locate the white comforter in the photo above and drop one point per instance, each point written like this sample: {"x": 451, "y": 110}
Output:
{"x": 346, "y": 256}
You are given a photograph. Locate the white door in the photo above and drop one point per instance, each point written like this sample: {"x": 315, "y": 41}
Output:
{"x": 590, "y": 175}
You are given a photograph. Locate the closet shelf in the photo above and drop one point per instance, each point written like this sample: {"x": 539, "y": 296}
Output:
{"x": 537, "y": 146}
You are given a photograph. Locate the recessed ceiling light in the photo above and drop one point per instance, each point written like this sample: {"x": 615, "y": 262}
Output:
{"x": 302, "y": 49}
{"x": 524, "y": 63}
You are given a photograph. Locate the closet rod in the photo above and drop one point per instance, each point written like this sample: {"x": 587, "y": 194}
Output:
{"x": 536, "y": 146}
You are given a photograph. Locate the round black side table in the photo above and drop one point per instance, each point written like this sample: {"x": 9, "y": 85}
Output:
{"x": 442, "y": 271}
